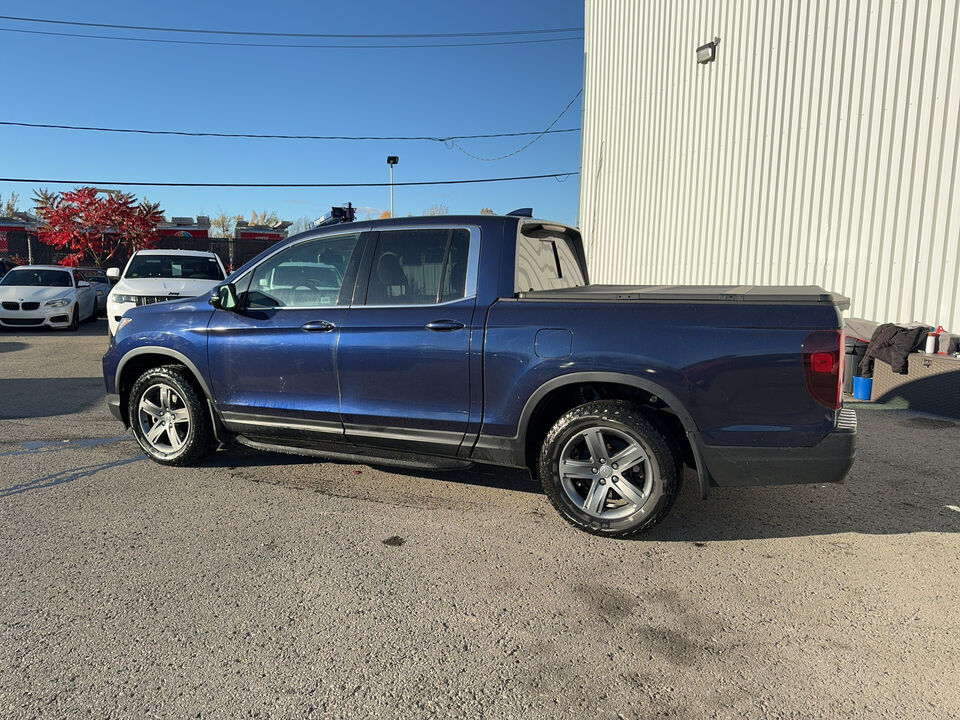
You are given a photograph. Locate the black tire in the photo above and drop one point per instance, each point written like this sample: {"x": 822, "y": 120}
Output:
{"x": 197, "y": 439}
{"x": 653, "y": 482}
{"x": 74, "y": 319}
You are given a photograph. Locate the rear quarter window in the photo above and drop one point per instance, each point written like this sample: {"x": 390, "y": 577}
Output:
{"x": 546, "y": 263}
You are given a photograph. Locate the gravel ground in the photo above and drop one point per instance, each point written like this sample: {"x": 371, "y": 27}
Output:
{"x": 262, "y": 585}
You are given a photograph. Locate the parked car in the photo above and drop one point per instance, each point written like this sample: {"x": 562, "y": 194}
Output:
{"x": 480, "y": 339}
{"x": 46, "y": 295}
{"x": 101, "y": 286}
{"x": 156, "y": 276}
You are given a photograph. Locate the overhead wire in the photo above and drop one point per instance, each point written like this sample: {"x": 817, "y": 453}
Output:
{"x": 186, "y": 133}
{"x": 98, "y": 183}
{"x": 287, "y": 45}
{"x": 453, "y": 141}
{"x": 260, "y": 33}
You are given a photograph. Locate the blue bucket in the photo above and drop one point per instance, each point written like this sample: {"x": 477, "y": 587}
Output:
{"x": 862, "y": 388}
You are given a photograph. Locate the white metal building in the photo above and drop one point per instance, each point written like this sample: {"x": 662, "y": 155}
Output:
{"x": 819, "y": 147}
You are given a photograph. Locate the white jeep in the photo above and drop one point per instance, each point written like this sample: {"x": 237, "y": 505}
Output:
{"x": 153, "y": 276}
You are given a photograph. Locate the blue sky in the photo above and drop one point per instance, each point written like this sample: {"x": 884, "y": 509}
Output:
{"x": 295, "y": 91}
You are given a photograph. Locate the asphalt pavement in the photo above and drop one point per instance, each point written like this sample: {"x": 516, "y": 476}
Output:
{"x": 266, "y": 585}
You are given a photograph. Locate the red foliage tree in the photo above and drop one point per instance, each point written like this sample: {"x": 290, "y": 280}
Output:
{"x": 94, "y": 228}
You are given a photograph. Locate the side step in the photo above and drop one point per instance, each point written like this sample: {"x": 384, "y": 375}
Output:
{"x": 382, "y": 457}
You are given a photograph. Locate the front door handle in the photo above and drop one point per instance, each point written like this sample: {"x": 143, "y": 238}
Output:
{"x": 319, "y": 326}
{"x": 444, "y": 325}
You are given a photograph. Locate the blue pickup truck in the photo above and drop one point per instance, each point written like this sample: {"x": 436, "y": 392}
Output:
{"x": 479, "y": 339}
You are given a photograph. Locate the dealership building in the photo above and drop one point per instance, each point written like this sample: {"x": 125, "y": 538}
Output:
{"x": 763, "y": 142}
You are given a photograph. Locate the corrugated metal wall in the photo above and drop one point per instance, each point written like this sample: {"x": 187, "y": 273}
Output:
{"x": 820, "y": 148}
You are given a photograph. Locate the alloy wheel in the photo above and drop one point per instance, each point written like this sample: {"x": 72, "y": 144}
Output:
{"x": 164, "y": 418}
{"x": 606, "y": 473}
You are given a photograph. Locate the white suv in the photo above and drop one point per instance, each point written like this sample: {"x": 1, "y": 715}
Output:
{"x": 153, "y": 276}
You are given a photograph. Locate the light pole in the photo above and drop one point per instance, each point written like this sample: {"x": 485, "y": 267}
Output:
{"x": 391, "y": 161}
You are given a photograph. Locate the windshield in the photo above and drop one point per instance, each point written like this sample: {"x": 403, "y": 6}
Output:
{"x": 37, "y": 278}
{"x": 174, "y": 266}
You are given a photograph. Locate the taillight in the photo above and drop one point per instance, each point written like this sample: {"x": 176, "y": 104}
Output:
{"x": 823, "y": 367}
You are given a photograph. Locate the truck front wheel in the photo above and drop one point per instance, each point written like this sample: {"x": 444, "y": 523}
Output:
{"x": 168, "y": 417}
{"x": 608, "y": 470}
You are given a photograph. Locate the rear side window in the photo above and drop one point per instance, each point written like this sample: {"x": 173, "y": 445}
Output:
{"x": 547, "y": 263}
{"x": 419, "y": 267}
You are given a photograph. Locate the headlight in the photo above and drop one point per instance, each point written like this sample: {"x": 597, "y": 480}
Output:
{"x": 57, "y": 303}
{"x": 123, "y": 298}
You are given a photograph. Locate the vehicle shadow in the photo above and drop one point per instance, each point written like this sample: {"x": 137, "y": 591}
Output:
{"x": 893, "y": 488}
{"x": 238, "y": 456}
{"x": 903, "y": 481}
{"x": 23, "y": 398}
{"x": 6, "y": 347}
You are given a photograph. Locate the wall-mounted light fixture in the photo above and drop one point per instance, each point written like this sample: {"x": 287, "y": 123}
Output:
{"x": 708, "y": 53}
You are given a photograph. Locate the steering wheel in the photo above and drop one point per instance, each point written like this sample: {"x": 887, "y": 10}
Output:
{"x": 307, "y": 286}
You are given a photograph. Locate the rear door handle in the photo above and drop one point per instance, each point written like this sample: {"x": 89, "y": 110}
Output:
{"x": 444, "y": 325}
{"x": 318, "y": 326}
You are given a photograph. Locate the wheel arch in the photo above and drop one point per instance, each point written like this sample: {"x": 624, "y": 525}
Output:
{"x": 137, "y": 361}
{"x": 557, "y": 395}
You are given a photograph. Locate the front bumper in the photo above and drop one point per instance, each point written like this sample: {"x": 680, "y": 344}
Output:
{"x": 115, "y": 313}
{"x": 113, "y": 404}
{"x": 829, "y": 461}
{"x": 50, "y": 317}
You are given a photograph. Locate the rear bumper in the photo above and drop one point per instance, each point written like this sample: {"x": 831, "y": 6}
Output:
{"x": 829, "y": 461}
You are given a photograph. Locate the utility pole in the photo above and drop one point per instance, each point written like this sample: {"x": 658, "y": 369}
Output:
{"x": 391, "y": 161}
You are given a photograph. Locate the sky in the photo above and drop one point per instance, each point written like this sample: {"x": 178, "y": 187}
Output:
{"x": 422, "y": 91}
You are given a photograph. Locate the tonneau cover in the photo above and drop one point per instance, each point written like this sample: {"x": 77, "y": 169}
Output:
{"x": 760, "y": 294}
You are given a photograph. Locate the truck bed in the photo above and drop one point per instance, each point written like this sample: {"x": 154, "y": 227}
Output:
{"x": 757, "y": 294}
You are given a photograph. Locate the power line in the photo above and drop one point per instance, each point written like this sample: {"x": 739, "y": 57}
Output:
{"x": 287, "y": 45}
{"x": 36, "y": 181}
{"x": 286, "y": 137}
{"x": 453, "y": 141}
{"x": 203, "y": 31}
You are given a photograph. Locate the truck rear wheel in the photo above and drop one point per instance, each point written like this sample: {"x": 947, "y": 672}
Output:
{"x": 608, "y": 470}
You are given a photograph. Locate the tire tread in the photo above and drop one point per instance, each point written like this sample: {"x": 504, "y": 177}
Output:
{"x": 202, "y": 442}
{"x": 629, "y": 414}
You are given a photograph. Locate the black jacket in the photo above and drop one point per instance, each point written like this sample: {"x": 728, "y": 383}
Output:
{"x": 892, "y": 344}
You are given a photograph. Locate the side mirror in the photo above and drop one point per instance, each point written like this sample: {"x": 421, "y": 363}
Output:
{"x": 82, "y": 284}
{"x": 224, "y": 297}
{"x": 113, "y": 273}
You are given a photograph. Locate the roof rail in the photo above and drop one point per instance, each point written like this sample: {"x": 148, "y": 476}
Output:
{"x": 522, "y": 212}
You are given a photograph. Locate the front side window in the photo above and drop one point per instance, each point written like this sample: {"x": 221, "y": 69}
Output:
{"x": 188, "y": 267}
{"x": 37, "y": 278}
{"x": 306, "y": 275}
{"x": 419, "y": 267}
